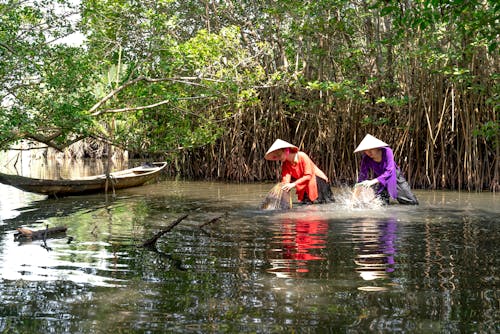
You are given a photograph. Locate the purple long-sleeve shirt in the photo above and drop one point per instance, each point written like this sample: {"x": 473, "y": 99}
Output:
{"x": 384, "y": 171}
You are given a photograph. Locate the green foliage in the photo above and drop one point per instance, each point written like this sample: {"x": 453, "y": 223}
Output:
{"x": 186, "y": 77}
{"x": 370, "y": 120}
{"x": 393, "y": 101}
{"x": 43, "y": 84}
{"x": 185, "y": 118}
{"x": 490, "y": 131}
{"x": 474, "y": 20}
{"x": 347, "y": 89}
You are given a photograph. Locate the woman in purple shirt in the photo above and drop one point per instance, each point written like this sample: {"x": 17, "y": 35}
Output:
{"x": 378, "y": 162}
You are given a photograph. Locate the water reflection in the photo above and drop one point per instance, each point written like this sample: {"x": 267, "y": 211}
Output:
{"x": 295, "y": 243}
{"x": 87, "y": 254}
{"x": 12, "y": 200}
{"x": 375, "y": 247}
{"x": 30, "y": 261}
{"x": 310, "y": 270}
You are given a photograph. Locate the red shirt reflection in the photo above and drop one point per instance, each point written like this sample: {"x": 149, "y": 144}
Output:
{"x": 301, "y": 236}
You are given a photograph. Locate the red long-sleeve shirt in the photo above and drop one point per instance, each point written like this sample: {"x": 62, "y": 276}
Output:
{"x": 303, "y": 173}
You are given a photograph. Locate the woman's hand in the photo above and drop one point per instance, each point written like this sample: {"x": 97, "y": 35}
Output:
{"x": 288, "y": 186}
{"x": 368, "y": 183}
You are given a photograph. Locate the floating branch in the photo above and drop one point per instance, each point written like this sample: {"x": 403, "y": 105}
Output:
{"x": 152, "y": 242}
{"x": 216, "y": 219}
{"x": 38, "y": 234}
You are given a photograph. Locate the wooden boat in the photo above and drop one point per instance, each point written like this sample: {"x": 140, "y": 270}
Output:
{"x": 127, "y": 178}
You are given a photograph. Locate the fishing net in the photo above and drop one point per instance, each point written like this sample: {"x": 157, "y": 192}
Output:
{"x": 277, "y": 199}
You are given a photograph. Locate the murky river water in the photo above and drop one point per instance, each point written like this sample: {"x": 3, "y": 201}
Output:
{"x": 230, "y": 268}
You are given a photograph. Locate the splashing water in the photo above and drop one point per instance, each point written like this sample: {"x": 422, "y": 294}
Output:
{"x": 359, "y": 197}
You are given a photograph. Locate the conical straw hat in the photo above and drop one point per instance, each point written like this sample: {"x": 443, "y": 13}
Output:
{"x": 368, "y": 143}
{"x": 277, "y": 145}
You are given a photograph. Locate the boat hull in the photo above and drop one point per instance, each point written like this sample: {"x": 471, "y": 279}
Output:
{"x": 128, "y": 178}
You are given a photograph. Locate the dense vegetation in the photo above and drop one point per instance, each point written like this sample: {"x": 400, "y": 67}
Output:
{"x": 210, "y": 85}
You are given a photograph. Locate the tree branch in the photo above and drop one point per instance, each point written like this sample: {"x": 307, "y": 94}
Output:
{"x": 152, "y": 241}
{"x": 154, "y": 105}
{"x": 96, "y": 106}
{"x": 48, "y": 140}
{"x": 185, "y": 80}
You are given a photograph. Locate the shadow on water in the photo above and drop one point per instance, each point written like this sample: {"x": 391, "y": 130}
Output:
{"x": 44, "y": 209}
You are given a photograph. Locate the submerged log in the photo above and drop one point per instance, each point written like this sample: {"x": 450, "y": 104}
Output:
{"x": 39, "y": 234}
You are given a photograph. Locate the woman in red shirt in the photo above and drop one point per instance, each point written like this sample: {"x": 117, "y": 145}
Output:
{"x": 300, "y": 172}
